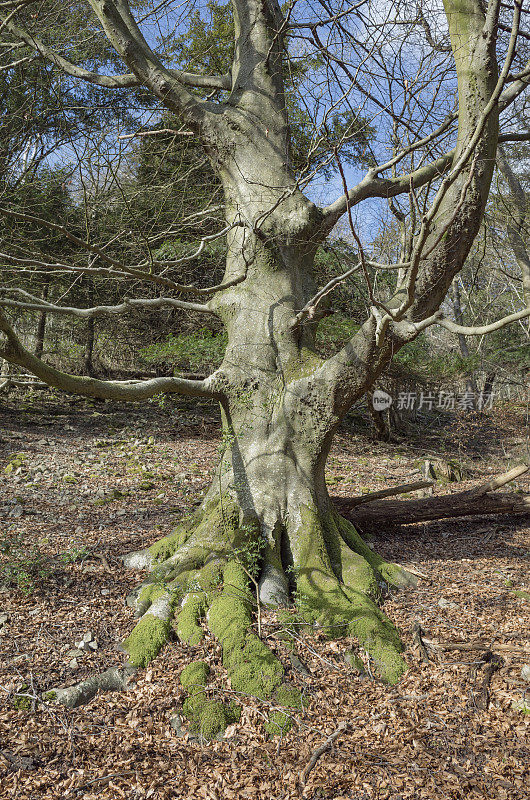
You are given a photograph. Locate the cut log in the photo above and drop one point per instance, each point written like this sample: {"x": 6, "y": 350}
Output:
{"x": 369, "y": 512}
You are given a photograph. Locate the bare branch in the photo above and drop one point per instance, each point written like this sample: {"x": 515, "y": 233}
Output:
{"x": 37, "y": 304}
{"x": 125, "y": 81}
{"x": 480, "y": 330}
{"x": 14, "y": 352}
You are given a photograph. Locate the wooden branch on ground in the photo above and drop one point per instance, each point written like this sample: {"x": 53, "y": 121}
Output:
{"x": 471, "y": 502}
{"x": 476, "y": 645}
{"x": 402, "y": 489}
{"x": 502, "y": 480}
{"x": 319, "y": 751}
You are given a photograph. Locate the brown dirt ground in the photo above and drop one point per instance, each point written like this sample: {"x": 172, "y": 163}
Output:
{"x": 111, "y": 478}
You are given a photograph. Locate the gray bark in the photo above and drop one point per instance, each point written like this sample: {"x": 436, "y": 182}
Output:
{"x": 516, "y": 222}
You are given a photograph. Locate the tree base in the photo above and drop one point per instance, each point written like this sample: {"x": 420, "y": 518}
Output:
{"x": 217, "y": 570}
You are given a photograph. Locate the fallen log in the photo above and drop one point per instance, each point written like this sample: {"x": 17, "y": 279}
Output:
{"x": 370, "y": 512}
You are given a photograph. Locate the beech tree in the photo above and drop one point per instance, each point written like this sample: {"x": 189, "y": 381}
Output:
{"x": 267, "y": 522}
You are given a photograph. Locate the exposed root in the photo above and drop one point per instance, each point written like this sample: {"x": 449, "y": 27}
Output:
{"x": 111, "y": 680}
{"x": 208, "y": 717}
{"x": 252, "y": 667}
{"x": 200, "y": 574}
{"x": 338, "y": 586}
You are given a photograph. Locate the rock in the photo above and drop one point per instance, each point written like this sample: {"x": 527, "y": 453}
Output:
{"x": 443, "y": 603}
{"x": 87, "y": 643}
{"x": 176, "y": 724}
{"x": 298, "y": 665}
{"x": 273, "y": 587}
{"x": 4, "y": 617}
{"x": 105, "y": 592}
{"x": 74, "y": 653}
{"x": 521, "y": 705}
{"x": 73, "y": 663}
{"x": 525, "y": 672}
{"x": 354, "y": 661}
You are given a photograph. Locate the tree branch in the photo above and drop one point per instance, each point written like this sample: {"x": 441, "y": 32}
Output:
{"x": 372, "y": 186}
{"x": 14, "y": 352}
{"x": 480, "y": 330}
{"x": 124, "y": 34}
{"x": 37, "y": 304}
{"x": 125, "y": 81}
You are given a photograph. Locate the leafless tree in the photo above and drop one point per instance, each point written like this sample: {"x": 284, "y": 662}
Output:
{"x": 435, "y": 85}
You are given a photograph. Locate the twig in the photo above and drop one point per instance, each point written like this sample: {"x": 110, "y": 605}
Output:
{"x": 417, "y": 634}
{"x": 156, "y": 133}
{"x": 102, "y": 779}
{"x": 319, "y": 751}
{"x": 492, "y": 663}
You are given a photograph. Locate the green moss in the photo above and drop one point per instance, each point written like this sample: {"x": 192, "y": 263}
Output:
{"x": 212, "y": 719}
{"x": 216, "y": 523}
{"x": 235, "y": 578}
{"x": 149, "y": 593}
{"x": 280, "y": 722}
{"x": 252, "y": 667}
{"x": 194, "y": 674}
{"x": 288, "y": 696}
{"x": 194, "y": 608}
{"x": 164, "y": 548}
{"x": 210, "y": 576}
{"x": 49, "y": 697}
{"x": 20, "y": 702}
{"x": 146, "y": 640}
{"x": 195, "y": 604}
{"x": 208, "y": 717}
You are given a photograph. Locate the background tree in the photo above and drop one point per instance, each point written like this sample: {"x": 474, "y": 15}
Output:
{"x": 268, "y": 516}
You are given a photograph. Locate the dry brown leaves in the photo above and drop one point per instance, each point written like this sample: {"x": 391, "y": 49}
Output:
{"x": 425, "y": 738}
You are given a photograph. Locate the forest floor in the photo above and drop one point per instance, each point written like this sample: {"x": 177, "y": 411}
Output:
{"x": 83, "y": 483}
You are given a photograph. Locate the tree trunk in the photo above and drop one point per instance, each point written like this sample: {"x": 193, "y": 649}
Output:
{"x": 267, "y": 513}
{"x": 41, "y": 326}
{"x": 89, "y": 347}
{"x": 471, "y": 384}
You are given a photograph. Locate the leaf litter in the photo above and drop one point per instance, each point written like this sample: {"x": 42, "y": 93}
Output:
{"x": 87, "y": 482}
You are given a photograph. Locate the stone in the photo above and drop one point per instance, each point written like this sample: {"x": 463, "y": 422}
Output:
{"x": 87, "y": 643}
{"x": 443, "y": 603}
{"x": 525, "y": 672}
{"x": 298, "y": 665}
